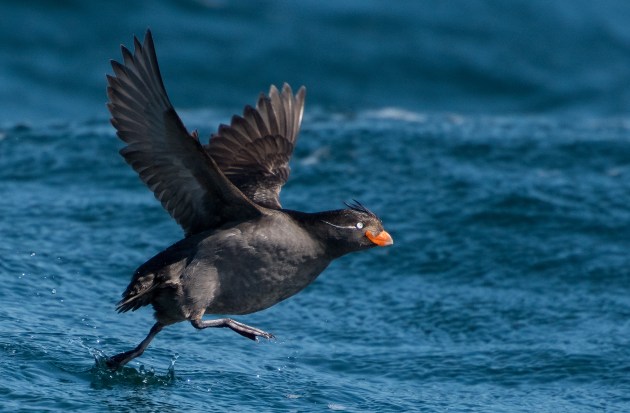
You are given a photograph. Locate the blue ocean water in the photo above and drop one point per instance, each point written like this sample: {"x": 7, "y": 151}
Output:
{"x": 492, "y": 138}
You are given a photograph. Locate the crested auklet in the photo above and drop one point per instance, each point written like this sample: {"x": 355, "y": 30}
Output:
{"x": 241, "y": 252}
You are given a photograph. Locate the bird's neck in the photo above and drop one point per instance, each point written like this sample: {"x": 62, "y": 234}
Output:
{"x": 317, "y": 225}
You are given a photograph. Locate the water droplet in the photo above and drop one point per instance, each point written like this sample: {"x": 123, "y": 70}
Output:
{"x": 54, "y": 291}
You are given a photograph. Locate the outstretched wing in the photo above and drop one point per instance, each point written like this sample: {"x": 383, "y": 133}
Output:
{"x": 170, "y": 161}
{"x": 254, "y": 150}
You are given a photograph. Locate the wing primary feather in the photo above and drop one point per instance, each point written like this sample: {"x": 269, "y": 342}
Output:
{"x": 299, "y": 105}
{"x": 257, "y": 121}
{"x": 287, "y": 100}
{"x": 266, "y": 110}
{"x": 170, "y": 161}
{"x": 276, "y": 104}
{"x": 255, "y": 149}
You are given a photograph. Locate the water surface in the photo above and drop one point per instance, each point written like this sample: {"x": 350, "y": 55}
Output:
{"x": 491, "y": 140}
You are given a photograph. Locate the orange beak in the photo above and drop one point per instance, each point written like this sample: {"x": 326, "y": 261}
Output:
{"x": 383, "y": 239}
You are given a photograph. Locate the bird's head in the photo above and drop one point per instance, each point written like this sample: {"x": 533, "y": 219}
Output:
{"x": 354, "y": 229}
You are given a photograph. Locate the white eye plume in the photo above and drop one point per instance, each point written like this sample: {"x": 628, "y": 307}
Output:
{"x": 358, "y": 225}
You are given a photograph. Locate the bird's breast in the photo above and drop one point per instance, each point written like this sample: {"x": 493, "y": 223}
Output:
{"x": 258, "y": 266}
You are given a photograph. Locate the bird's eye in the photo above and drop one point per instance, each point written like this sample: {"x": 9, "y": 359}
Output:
{"x": 359, "y": 225}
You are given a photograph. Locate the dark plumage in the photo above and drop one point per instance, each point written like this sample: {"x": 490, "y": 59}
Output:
{"x": 242, "y": 252}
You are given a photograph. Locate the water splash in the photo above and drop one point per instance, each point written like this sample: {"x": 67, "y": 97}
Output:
{"x": 105, "y": 377}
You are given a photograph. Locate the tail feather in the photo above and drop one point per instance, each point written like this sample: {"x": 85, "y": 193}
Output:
{"x": 131, "y": 303}
{"x": 138, "y": 293}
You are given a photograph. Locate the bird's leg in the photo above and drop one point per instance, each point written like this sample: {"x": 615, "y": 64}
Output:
{"x": 121, "y": 359}
{"x": 243, "y": 329}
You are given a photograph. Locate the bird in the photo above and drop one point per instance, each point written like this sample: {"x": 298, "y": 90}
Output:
{"x": 241, "y": 251}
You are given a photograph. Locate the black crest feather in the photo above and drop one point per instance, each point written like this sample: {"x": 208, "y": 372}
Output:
{"x": 357, "y": 206}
